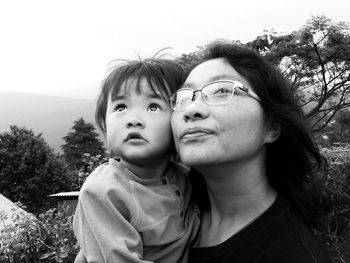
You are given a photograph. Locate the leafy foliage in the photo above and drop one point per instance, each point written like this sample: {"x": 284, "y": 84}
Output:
{"x": 89, "y": 164}
{"x": 336, "y": 131}
{"x": 29, "y": 169}
{"x": 47, "y": 239}
{"x": 316, "y": 59}
{"x": 186, "y": 60}
{"x": 83, "y": 139}
{"x": 335, "y": 234}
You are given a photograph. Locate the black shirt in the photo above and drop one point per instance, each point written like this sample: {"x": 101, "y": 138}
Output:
{"x": 278, "y": 235}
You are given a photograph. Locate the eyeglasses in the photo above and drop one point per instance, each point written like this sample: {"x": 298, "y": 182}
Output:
{"x": 217, "y": 92}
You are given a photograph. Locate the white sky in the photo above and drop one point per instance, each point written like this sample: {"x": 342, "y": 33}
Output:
{"x": 63, "y": 47}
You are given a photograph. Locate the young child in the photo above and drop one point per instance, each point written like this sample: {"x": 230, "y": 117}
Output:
{"x": 138, "y": 206}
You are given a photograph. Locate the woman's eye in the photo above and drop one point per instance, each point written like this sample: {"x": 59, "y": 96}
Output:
{"x": 120, "y": 107}
{"x": 222, "y": 91}
{"x": 153, "y": 107}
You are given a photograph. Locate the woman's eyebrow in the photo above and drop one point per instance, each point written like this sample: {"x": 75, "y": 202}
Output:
{"x": 213, "y": 78}
{"x": 221, "y": 77}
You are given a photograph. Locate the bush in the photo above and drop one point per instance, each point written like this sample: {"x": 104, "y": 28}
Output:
{"x": 90, "y": 163}
{"x": 51, "y": 239}
{"x": 335, "y": 234}
{"x": 30, "y": 169}
{"x": 47, "y": 239}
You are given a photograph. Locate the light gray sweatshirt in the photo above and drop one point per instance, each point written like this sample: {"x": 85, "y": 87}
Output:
{"x": 123, "y": 218}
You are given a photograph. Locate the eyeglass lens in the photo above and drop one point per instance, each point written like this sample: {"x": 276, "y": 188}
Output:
{"x": 213, "y": 94}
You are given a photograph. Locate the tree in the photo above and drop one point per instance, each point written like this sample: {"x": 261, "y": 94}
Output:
{"x": 90, "y": 164}
{"x": 30, "y": 170}
{"x": 186, "y": 60}
{"x": 83, "y": 139}
{"x": 316, "y": 59}
{"x": 337, "y": 131}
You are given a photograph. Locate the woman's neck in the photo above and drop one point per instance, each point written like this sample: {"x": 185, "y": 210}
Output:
{"x": 236, "y": 189}
{"x": 238, "y": 194}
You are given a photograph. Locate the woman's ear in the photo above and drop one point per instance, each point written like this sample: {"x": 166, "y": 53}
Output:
{"x": 274, "y": 131}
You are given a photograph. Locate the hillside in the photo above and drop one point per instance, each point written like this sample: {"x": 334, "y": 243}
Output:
{"x": 51, "y": 115}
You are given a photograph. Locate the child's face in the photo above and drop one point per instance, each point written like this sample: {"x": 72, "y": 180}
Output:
{"x": 138, "y": 125}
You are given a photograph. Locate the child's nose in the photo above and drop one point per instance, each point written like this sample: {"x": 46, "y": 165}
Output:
{"x": 135, "y": 124}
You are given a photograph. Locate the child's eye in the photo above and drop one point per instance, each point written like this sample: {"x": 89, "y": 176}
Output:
{"x": 154, "y": 107}
{"x": 120, "y": 107}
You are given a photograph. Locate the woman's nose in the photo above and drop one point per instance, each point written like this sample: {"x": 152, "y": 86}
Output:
{"x": 198, "y": 109}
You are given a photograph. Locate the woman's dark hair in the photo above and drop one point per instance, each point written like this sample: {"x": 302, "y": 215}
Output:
{"x": 293, "y": 161}
{"x": 163, "y": 75}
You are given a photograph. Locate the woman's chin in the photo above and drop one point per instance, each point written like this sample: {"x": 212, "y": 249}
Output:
{"x": 194, "y": 161}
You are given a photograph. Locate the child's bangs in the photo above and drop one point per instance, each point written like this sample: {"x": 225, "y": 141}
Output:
{"x": 155, "y": 82}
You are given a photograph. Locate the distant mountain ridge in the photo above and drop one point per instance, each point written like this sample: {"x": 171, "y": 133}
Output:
{"x": 52, "y": 116}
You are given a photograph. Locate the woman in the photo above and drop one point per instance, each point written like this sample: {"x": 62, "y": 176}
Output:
{"x": 237, "y": 123}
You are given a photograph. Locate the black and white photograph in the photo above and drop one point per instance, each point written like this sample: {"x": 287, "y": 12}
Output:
{"x": 174, "y": 131}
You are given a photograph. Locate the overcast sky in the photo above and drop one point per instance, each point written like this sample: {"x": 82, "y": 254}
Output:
{"x": 63, "y": 47}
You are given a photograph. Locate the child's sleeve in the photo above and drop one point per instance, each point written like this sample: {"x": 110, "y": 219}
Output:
{"x": 102, "y": 222}
{"x": 80, "y": 258}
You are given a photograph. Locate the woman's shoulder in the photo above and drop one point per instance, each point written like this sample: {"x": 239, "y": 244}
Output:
{"x": 304, "y": 238}
{"x": 288, "y": 234}
{"x": 278, "y": 235}
{"x": 288, "y": 237}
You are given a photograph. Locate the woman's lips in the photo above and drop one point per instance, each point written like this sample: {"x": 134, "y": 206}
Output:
{"x": 194, "y": 133}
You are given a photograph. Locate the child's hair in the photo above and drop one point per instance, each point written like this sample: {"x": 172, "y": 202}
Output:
{"x": 162, "y": 75}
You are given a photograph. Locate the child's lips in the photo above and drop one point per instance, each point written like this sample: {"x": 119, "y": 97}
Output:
{"x": 134, "y": 136}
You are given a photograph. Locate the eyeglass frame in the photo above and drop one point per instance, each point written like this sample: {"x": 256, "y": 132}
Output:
{"x": 240, "y": 87}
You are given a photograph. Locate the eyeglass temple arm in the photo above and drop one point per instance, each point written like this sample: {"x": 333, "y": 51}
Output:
{"x": 250, "y": 93}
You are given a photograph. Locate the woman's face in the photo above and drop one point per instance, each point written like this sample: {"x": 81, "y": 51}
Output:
{"x": 218, "y": 134}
